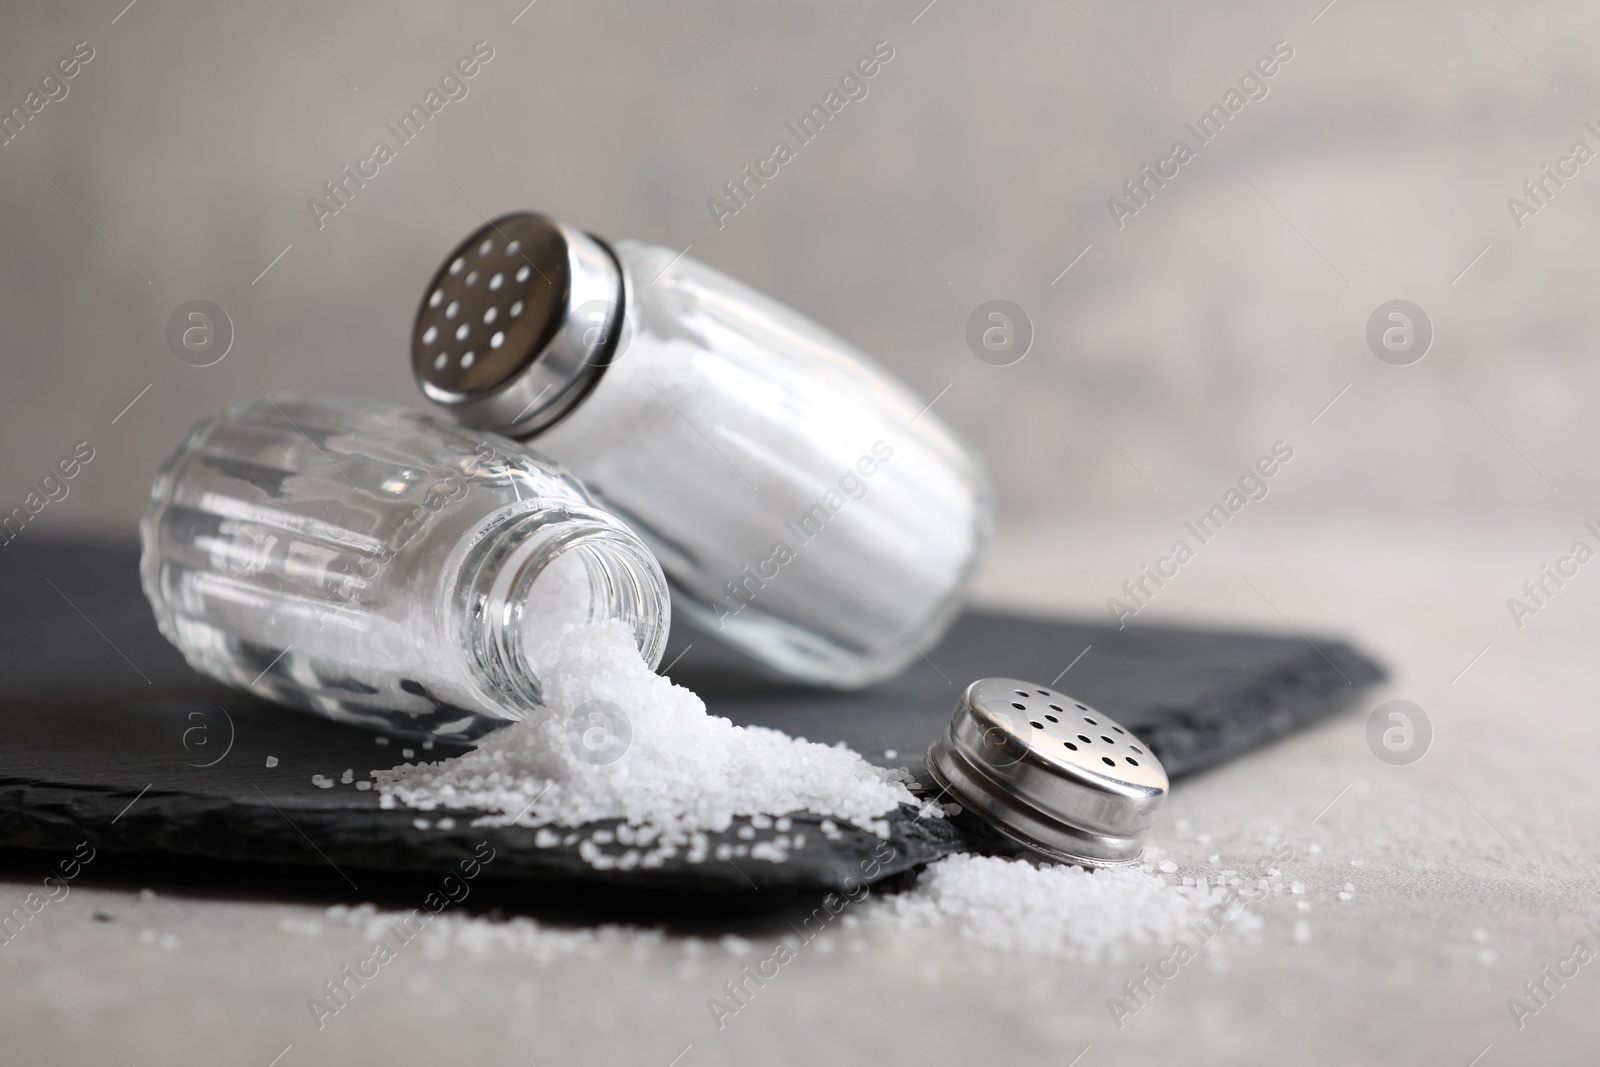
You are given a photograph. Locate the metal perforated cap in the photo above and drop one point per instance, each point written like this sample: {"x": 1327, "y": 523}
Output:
{"x": 1050, "y": 772}
{"x": 518, "y": 324}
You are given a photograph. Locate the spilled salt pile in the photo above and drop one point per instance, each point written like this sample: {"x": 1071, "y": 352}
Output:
{"x": 654, "y": 758}
{"x": 1068, "y": 912}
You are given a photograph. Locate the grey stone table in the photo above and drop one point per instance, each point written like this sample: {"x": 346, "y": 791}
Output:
{"x": 1472, "y": 870}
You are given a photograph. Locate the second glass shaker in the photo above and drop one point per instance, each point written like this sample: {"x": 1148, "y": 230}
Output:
{"x": 805, "y": 506}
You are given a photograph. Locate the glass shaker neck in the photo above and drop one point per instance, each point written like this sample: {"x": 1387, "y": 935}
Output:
{"x": 534, "y": 577}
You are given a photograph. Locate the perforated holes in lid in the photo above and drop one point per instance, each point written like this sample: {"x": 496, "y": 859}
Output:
{"x": 1085, "y": 799}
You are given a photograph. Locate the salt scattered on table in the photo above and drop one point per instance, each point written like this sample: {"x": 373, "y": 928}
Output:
{"x": 1059, "y": 910}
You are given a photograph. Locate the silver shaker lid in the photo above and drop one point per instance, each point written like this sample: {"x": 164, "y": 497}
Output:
{"x": 1050, "y": 772}
{"x": 518, "y": 324}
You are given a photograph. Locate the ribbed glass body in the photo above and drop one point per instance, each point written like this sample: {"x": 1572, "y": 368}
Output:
{"x": 381, "y": 566}
{"x": 805, "y": 505}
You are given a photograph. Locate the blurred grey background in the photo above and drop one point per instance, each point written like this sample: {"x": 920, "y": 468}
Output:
{"x": 1225, "y": 316}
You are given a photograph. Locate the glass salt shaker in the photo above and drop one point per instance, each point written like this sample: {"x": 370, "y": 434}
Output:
{"x": 806, "y": 507}
{"x": 381, "y": 566}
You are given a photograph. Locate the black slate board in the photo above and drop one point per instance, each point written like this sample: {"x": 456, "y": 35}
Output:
{"x": 107, "y": 736}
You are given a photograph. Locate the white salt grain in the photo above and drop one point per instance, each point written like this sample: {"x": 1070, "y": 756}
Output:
{"x": 272, "y": 761}
{"x": 684, "y": 774}
{"x": 1062, "y": 911}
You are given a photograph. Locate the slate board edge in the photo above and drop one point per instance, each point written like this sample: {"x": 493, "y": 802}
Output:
{"x": 54, "y": 818}
{"x": 1327, "y": 679}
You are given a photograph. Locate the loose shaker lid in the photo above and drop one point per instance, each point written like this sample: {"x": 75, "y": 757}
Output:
{"x": 518, "y": 324}
{"x": 1050, "y": 772}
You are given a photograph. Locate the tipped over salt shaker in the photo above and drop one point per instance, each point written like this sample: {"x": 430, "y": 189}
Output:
{"x": 383, "y": 567}
{"x": 807, "y": 508}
